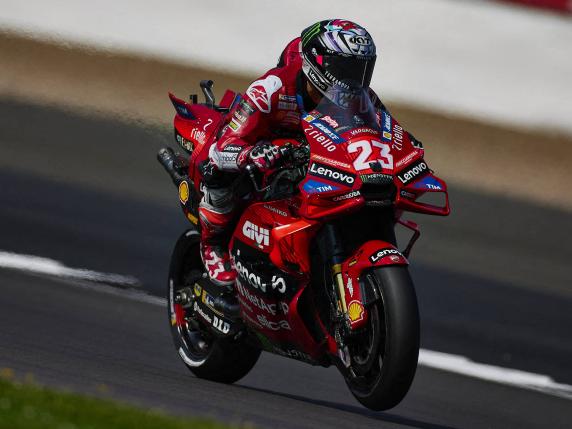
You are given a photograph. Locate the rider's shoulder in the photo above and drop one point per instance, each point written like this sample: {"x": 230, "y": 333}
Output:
{"x": 261, "y": 91}
{"x": 264, "y": 92}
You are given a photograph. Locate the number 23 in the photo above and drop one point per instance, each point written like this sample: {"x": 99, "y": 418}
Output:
{"x": 366, "y": 148}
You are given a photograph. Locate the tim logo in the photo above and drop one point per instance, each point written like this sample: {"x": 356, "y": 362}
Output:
{"x": 256, "y": 233}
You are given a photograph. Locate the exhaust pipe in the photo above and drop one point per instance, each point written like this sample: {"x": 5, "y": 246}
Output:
{"x": 173, "y": 165}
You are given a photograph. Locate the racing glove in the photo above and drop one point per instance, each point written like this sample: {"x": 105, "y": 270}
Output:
{"x": 265, "y": 156}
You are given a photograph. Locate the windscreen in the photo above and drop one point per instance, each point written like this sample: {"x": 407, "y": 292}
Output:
{"x": 352, "y": 109}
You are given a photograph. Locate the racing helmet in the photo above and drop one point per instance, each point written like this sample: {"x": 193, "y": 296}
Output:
{"x": 338, "y": 57}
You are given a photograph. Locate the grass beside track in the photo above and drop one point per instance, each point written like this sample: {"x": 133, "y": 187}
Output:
{"x": 30, "y": 407}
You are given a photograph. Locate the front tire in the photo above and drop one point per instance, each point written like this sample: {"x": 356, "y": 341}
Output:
{"x": 206, "y": 355}
{"x": 385, "y": 360}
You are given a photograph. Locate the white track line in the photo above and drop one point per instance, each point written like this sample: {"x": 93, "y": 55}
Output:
{"x": 442, "y": 361}
{"x": 461, "y": 365}
{"x": 39, "y": 265}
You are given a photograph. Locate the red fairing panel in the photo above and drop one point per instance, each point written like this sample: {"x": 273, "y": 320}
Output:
{"x": 268, "y": 233}
{"x": 375, "y": 253}
{"x": 195, "y": 130}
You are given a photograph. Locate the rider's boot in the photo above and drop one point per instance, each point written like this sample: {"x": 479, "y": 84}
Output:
{"x": 215, "y": 222}
{"x": 217, "y": 263}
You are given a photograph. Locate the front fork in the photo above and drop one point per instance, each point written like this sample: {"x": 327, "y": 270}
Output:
{"x": 332, "y": 252}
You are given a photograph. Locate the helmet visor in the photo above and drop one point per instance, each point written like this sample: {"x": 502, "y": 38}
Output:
{"x": 347, "y": 71}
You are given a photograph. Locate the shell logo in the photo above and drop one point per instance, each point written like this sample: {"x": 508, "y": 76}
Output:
{"x": 355, "y": 311}
{"x": 184, "y": 192}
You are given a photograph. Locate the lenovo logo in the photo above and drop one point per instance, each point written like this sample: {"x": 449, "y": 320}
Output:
{"x": 413, "y": 172}
{"x": 382, "y": 253}
{"x": 330, "y": 173}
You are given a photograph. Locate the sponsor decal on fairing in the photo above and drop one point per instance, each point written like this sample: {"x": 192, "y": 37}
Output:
{"x": 397, "y": 143}
{"x": 330, "y": 173}
{"x": 277, "y": 283}
{"x": 198, "y": 135}
{"x": 185, "y": 144}
{"x": 183, "y": 192}
{"x": 347, "y": 196}
{"x": 386, "y": 127}
{"x": 406, "y": 159}
{"x": 413, "y": 172}
{"x": 377, "y": 178}
{"x": 362, "y": 131}
{"x": 355, "y": 311}
{"x": 275, "y": 210}
{"x": 428, "y": 182}
{"x": 327, "y": 131}
{"x": 350, "y": 286}
{"x": 256, "y": 233}
{"x": 331, "y": 161}
{"x": 382, "y": 253}
{"x": 325, "y": 142}
{"x": 314, "y": 186}
{"x": 273, "y": 325}
{"x": 270, "y": 308}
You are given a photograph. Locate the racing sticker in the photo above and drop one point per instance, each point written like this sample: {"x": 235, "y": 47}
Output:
{"x": 184, "y": 192}
{"x": 313, "y": 186}
{"x": 355, "y": 311}
{"x": 413, "y": 172}
{"x": 398, "y": 134}
{"x": 331, "y": 173}
{"x": 349, "y": 195}
{"x": 331, "y": 161}
{"x": 382, "y": 253}
{"x": 324, "y": 127}
{"x": 261, "y": 91}
{"x": 185, "y": 144}
{"x": 428, "y": 182}
{"x": 386, "y": 127}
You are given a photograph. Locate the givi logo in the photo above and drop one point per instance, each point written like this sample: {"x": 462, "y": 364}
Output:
{"x": 256, "y": 233}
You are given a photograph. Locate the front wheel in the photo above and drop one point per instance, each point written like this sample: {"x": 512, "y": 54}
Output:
{"x": 207, "y": 356}
{"x": 384, "y": 356}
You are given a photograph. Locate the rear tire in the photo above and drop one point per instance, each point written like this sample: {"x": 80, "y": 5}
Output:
{"x": 385, "y": 368}
{"x": 206, "y": 355}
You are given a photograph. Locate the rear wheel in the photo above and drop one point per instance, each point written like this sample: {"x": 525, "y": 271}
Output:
{"x": 206, "y": 355}
{"x": 384, "y": 356}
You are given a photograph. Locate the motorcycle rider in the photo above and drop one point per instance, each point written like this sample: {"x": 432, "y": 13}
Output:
{"x": 312, "y": 66}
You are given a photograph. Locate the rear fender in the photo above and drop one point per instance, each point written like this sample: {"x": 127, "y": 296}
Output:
{"x": 359, "y": 294}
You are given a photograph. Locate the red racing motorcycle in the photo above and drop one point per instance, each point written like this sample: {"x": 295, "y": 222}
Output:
{"x": 320, "y": 277}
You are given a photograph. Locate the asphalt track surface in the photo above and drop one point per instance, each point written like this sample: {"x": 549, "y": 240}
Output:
{"x": 87, "y": 192}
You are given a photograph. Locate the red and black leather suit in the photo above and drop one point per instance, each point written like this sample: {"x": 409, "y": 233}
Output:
{"x": 268, "y": 109}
